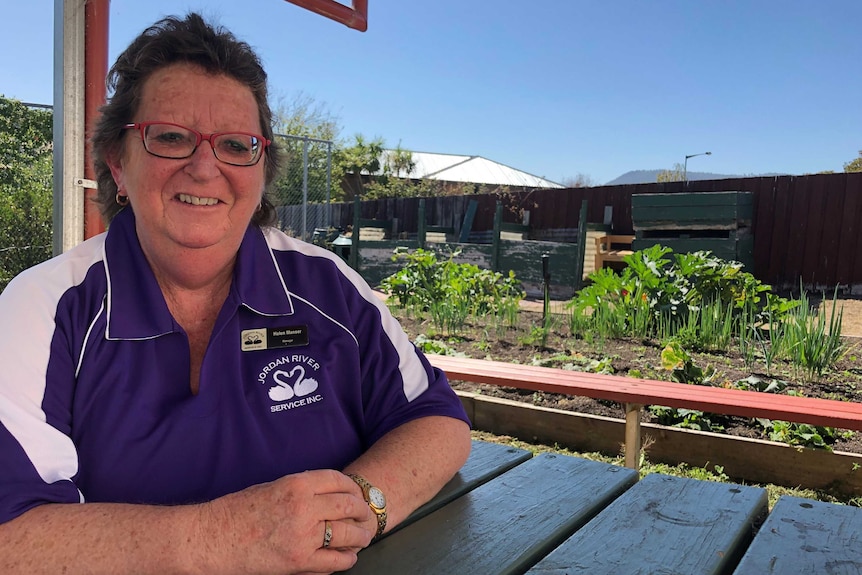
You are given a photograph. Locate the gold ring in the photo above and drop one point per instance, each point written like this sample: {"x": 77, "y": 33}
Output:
{"x": 327, "y": 534}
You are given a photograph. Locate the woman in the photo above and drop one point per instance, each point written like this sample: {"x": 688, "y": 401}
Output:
{"x": 182, "y": 373}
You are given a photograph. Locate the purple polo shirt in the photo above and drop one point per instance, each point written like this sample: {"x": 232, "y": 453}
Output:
{"x": 305, "y": 369}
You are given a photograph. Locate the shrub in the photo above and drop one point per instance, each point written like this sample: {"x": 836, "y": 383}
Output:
{"x": 451, "y": 292}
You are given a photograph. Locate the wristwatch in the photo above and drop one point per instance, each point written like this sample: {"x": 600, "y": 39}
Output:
{"x": 375, "y": 499}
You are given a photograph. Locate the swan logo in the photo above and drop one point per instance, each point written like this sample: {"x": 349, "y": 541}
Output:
{"x": 290, "y": 383}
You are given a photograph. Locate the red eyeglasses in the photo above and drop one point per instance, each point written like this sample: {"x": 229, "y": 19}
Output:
{"x": 167, "y": 140}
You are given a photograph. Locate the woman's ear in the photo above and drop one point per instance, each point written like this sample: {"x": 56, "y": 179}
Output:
{"x": 115, "y": 164}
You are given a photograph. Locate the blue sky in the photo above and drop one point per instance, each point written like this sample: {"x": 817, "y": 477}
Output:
{"x": 556, "y": 88}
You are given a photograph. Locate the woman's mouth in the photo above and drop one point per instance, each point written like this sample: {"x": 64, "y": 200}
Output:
{"x": 196, "y": 200}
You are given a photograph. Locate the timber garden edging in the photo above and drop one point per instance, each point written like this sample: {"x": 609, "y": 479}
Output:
{"x": 795, "y": 466}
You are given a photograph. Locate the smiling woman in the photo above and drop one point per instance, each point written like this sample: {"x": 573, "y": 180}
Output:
{"x": 221, "y": 397}
{"x": 173, "y": 232}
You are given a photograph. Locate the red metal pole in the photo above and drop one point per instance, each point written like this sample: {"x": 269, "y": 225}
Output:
{"x": 355, "y": 17}
{"x": 96, "y": 18}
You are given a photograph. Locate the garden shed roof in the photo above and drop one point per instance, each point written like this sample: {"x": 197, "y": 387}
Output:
{"x": 469, "y": 169}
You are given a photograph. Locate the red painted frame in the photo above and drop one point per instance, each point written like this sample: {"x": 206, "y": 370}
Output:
{"x": 97, "y": 14}
{"x": 355, "y": 17}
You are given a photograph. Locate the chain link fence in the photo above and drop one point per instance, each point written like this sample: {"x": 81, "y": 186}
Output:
{"x": 302, "y": 193}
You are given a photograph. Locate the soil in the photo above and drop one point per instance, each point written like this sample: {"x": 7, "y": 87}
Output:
{"x": 484, "y": 340}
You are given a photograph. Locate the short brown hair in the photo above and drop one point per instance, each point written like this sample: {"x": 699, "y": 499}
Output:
{"x": 170, "y": 41}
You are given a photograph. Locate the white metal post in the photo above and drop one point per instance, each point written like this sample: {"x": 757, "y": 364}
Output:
{"x": 68, "y": 124}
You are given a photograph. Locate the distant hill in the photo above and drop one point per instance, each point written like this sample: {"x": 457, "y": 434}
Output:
{"x": 651, "y": 176}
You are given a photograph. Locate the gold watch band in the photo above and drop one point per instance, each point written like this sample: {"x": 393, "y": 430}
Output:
{"x": 379, "y": 512}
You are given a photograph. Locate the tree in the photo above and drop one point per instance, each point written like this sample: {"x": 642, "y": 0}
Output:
{"x": 302, "y": 115}
{"x": 362, "y": 156}
{"x": 305, "y": 127}
{"x": 677, "y": 174}
{"x": 394, "y": 180}
{"x": 26, "y": 174}
{"x": 579, "y": 181}
{"x": 855, "y": 165}
{"x": 399, "y": 162}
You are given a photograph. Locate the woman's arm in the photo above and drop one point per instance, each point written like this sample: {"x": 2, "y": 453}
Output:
{"x": 411, "y": 463}
{"x": 276, "y": 527}
{"x": 271, "y": 528}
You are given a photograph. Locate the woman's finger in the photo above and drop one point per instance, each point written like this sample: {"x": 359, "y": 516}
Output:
{"x": 347, "y": 536}
{"x": 342, "y": 507}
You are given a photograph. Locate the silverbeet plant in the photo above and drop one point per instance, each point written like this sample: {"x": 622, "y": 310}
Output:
{"x": 705, "y": 303}
{"x": 451, "y": 292}
{"x": 660, "y": 293}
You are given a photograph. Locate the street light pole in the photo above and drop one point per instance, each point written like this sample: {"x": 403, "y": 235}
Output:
{"x": 685, "y": 164}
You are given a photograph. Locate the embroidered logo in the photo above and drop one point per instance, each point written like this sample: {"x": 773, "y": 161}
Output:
{"x": 289, "y": 382}
{"x": 289, "y": 387}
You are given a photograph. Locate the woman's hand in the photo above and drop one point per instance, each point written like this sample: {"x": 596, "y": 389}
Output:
{"x": 279, "y": 527}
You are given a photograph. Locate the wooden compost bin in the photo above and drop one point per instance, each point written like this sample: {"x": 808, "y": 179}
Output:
{"x": 719, "y": 222}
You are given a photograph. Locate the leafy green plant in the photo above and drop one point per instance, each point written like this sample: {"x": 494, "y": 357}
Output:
{"x": 435, "y": 346}
{"x": 712, "y": 279}
{"x": 537, "y": 337}
{"x": 696, "y": 298}
{"x": 763, "y": 334}
{"x": 802, "y": 434}
{"x": 686, "y": 418}
{"x": 682, "y": 367}
{"x": 483, "y": 345}
{"x": 755, "y": 383}
{"x": 450, "y": 292}
{"x": 683, "y": 370}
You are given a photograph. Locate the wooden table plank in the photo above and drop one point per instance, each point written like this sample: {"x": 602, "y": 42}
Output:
{"x": 545, "y": 500}
{"x": 805, "y": 536}
{"x": 487, "y": 460}
{"x": 667, "y": 525}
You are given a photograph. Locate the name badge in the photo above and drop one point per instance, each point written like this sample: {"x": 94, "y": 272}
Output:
{"x": 274, "y": 337}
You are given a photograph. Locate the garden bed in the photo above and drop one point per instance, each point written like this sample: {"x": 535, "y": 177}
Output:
{"x": 689, "y": 317}
{"x": 517, "y": 343}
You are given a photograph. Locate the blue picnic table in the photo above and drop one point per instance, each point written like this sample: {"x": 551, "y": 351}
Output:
{"x": 507, "y": 512}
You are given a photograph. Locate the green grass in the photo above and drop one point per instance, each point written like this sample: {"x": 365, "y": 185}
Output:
{"x": 681, "y": 470}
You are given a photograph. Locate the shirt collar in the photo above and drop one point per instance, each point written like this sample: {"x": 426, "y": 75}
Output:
{"x": 136, "y": 306}
{"x": 258, "y": 281}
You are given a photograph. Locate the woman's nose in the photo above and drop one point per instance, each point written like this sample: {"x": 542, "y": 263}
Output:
{"x": 203, "y": 162}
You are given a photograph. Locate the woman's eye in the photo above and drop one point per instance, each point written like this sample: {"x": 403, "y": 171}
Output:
{"x": 171, "y": 138}
{"x": 235, "y": 145}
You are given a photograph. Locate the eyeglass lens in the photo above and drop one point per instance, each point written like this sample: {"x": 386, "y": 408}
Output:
{"x": 169, "y": 141}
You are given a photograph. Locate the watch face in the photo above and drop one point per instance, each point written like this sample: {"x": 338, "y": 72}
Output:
{"x": 376, "y": 498}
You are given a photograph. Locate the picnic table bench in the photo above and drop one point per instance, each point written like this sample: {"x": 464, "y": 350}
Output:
{"x": 612, "y": 249}
{"x": 634, "y": 393}
{"x": 507, "y": 512}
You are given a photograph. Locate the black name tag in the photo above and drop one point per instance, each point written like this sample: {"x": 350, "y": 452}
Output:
{"x": 274, "y": 337}
{"x": 287, "y": 336}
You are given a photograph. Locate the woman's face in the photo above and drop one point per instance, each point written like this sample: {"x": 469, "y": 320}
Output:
{"x": 196, "y": 202}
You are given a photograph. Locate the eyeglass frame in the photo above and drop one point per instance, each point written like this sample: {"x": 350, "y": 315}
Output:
{"x": 199, "y": 137}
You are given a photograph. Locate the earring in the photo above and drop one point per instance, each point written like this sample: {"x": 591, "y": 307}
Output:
{"x": 122, "y": 200}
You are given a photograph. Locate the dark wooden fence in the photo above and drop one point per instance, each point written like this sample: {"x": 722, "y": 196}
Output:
{"x": 806, "y": 228}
